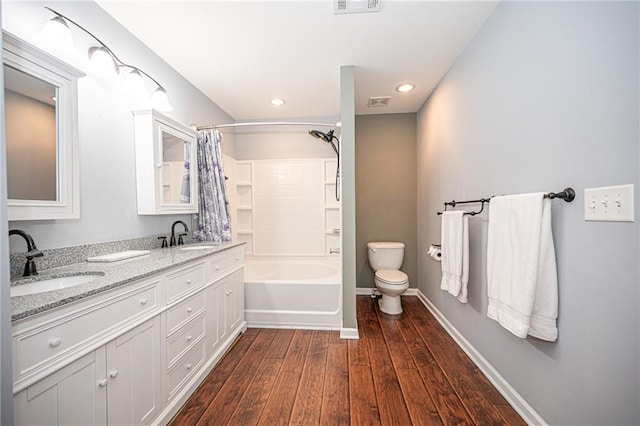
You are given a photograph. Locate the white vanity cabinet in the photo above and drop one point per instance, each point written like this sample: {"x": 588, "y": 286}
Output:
{"x": 115, "y": 384}
{"x": 166, "y": 167}
{"x": 131, "y": 355}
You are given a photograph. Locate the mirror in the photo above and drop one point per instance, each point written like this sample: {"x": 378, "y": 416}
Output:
{"x": 166, "y": 168}
{"x": 30, "y": 132}
{"x": 176, "y": 185}
{"x": 40, "y": 94}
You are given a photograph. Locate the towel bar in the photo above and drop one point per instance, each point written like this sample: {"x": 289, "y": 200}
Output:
{"x": 568, "y": 195}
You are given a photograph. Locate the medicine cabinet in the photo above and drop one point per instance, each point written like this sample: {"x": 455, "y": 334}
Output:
{"x": 41, "y": 131}
{"x": 166, "y": 168}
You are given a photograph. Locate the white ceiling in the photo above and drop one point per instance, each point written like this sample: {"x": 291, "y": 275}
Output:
{"x": 242, "y": 54}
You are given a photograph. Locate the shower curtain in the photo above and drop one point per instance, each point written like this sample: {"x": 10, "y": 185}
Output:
{"x": 213, "y": 206}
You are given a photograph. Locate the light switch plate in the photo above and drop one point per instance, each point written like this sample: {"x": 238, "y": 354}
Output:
{"x": 610, "y": 203}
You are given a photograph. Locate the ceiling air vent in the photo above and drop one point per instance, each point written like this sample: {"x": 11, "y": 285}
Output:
{"x": 379, "y": 101}
{"x": 355, "y": 6}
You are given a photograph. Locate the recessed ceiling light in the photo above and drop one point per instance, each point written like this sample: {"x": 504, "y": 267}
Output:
{"x": 406, "y": 87}
{"x": 277, "y": 102}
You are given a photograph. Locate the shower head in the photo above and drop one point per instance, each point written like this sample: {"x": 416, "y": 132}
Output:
{"x": 327, "y": 137}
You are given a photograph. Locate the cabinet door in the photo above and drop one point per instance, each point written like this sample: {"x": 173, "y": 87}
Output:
{"x": 134, "y": 374}
{"x": 221, "y": 288}
{"x": 235, "y": 299}
{"x": 73, "y": 395}
{"x": 212, "y": 317}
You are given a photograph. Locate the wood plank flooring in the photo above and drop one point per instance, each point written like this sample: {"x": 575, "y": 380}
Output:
{"x": 404, "y": 370}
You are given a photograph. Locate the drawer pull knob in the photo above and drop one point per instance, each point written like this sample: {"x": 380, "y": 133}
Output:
{"x": 189, "y": 338}
{"x": 188, "y": 280}
{"x": 113, "y": 374}
{"x": 103, "y": 383}
{"x": 143, "y": 301}
{"x": 54, "y": 343}
{"x": 188, "y": 366}
{"x": 189, "y": 310}
{"x": 227, "y": 293}
{"x": 217, "y": 267}
{"x": 237, "y": 257}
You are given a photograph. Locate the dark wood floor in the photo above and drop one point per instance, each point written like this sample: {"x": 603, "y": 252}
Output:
{"x": 404, "y": 370}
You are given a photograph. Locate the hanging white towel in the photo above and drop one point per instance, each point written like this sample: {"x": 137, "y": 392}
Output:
{"x": 455, "y": 253}
{"x": 522, "y": 282}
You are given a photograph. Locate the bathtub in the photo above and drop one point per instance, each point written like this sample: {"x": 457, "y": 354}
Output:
{"x": 293, "y": 292}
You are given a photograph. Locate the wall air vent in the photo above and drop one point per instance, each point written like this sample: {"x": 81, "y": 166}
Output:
{"x": 355, "y": 6}
{"x": 379, "y": 101}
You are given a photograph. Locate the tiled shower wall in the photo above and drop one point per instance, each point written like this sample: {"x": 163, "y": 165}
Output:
{"x": 288, "y": 207}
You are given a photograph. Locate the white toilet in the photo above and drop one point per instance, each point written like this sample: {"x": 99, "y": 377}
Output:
{"x": 385, "y": 259}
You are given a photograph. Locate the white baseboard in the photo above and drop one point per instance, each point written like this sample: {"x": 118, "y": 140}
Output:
{"x": 367, "y": 291}
{"x": 508, "y": 392}
{"x": 349, "y": 333}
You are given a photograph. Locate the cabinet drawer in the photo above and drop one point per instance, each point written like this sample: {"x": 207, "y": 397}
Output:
{"x": 185, "y": 338}
{"x": 184, "y": 311}
{"x": 186, "y": 280}
{"x": 55, "y": 340}
{"x": 220, "y": 265}
{"x": 185, "y": 368}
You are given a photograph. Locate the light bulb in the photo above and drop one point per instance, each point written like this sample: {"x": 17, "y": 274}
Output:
{"x": 405, "y": 88}
{"x": 160, "y": 100}
{"x": 57, "y": 34}
{"x": 134, "y": 83}
{"x": 101, "y": 63}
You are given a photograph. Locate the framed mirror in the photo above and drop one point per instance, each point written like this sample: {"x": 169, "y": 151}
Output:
{"x": 41, "y": 96}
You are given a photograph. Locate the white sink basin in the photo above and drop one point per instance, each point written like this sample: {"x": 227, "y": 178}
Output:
{"x": 52, "y": 284}
{"x": 197, "y": 247}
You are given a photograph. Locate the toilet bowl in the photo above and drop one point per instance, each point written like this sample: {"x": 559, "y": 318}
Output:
{"x": 385, "y": 259}
{"x": 391, "y": 284}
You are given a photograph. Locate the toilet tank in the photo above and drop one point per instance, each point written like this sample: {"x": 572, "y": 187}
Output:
{"x": 385, "y": 255}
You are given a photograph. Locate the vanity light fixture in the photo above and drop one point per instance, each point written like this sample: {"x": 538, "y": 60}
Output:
{"x": 56, "y": 33}
{"x": 405, "y": 87}
{"x": 277, "y": 102}
{"x": 103, "y": 62}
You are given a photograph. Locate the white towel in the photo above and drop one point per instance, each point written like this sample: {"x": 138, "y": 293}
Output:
{"x": 455, "y": 253}
{"x": 522, "y": 281}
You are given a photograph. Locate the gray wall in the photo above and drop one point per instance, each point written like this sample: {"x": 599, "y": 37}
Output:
{"x": 546, "y": 96}
{"x": 108, "y": 208}
{"x": 385, "y": 189}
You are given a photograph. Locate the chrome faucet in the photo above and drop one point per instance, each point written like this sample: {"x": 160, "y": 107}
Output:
{"x": 32, "y": 251}
{"x": 172, "y": 241}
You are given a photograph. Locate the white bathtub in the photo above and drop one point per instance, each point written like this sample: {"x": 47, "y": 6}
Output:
{"x": 293, "y": 292}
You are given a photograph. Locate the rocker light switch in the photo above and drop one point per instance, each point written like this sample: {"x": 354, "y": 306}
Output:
{"x": 611, "y": 203}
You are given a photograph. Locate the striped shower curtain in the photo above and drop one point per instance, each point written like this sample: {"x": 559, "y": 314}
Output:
{"x": 213, "y": 206}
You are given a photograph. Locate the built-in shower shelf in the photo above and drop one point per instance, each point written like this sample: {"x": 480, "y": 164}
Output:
{"x": 244, "y": 184}
{"x": 244, "y": 208}
{"x": 332, "y": 207}
{"x": 245, "y": 231}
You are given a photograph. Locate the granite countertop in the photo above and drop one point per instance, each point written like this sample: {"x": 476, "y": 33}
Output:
{"x": 110, "y": 275}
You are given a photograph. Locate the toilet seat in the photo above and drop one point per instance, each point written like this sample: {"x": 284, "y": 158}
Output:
{"x": 391, "y": 277}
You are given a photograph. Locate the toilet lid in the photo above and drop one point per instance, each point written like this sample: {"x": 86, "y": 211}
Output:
{"x": 390, "y": 276}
